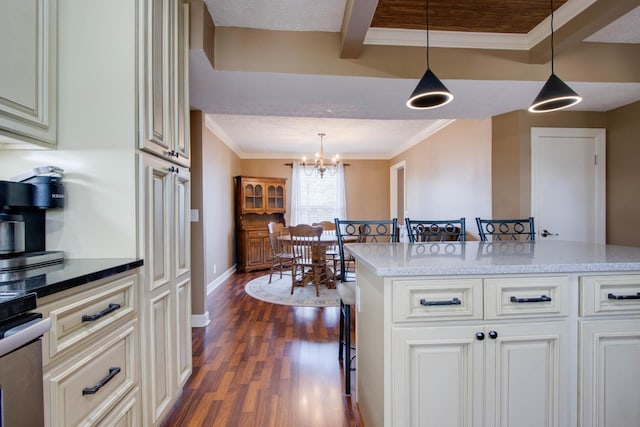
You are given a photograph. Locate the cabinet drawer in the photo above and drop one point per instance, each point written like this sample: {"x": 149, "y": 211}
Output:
{"x": 83, "y": 390}
{"x": 602, "y": 295}
{"x": 437, "y": 299}
{"x": 84, "y": 316}
{"x": 257, "y": 234}
{"x": 526, "y": 297}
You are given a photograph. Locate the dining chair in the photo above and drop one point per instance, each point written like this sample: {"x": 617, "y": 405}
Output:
{"x": 424, "y": 230}
{"x": 304, "y": 239}
{"x": 282, "y": 258}
{"x": 506, "y": 229}
{"x": 331, "y": 252}
{"x": 354, "y": 231}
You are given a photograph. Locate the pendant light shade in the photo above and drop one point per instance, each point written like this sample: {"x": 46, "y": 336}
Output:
{"x": 430, "y": 92}
{"x": 555, "y": 94}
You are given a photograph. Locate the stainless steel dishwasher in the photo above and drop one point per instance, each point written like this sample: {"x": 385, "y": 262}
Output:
{"x": 21, "y": 396}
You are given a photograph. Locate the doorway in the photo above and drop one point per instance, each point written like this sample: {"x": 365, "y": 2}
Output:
{"x": 568, "y": 183}
{"x": 398, "y": 195}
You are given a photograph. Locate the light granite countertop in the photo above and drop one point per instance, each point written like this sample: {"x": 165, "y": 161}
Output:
{"x": 459, "y": 258}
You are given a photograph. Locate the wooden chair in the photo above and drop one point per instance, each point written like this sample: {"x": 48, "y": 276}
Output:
{"x": 304, "y": 240}
{"x": 424, "y": 230}
{"x": 506, "y": 229}
{"x": 382, "y": 231}
{"x": 332, "y": 253}
{"x": 282, "y": 258}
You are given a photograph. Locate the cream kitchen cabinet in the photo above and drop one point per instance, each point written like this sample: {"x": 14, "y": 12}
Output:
{"x": 164, "y": 79}
{"x": 91, "y": 372}
{"x": 166, "y": 307}
{"x": 609, "y": 372}
{"x": 487, "y": 373}
{"x": 28, "y": 80}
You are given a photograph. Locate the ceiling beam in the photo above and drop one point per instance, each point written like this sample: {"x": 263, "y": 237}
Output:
{"x": 595, "y": 17}
{"x": 357, "y": 19}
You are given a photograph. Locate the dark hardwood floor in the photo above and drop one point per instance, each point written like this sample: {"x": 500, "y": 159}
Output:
{"x": 260, "y": 364}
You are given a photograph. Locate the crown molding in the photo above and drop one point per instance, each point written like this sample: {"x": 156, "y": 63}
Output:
{"x": 421, "y": 136}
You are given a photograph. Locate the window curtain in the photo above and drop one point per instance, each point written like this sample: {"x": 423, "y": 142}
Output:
{"x": 341, "y": 202}
{"x": 295, "y": 194}
{"x": 297, "y": 215}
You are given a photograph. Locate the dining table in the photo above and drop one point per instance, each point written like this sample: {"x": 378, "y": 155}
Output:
{"x": 322, "y": 272}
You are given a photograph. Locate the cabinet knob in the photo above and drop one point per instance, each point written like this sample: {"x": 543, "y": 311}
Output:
{"x": 493, "y": 335}
{"x": 480, "y": 336}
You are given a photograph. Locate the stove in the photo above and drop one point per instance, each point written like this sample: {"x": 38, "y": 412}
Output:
{"x": 15, "y": 303}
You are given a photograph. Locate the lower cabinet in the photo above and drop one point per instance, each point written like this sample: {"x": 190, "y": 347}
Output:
{"x": 480, "y": 375}
{"x": 91, "y": 374}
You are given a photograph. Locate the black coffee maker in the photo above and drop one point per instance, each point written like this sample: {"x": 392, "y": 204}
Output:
{"x": 23, "y": 204}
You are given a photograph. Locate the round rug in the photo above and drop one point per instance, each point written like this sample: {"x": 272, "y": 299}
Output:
{"x": 279, "y": 292}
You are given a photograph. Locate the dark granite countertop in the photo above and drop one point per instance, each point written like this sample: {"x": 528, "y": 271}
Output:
{"x": 68, "y": 274}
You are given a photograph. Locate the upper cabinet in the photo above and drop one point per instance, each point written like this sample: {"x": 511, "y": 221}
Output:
{"x": 28, "y": 35}
{"x": 165, "y": 98}
{"x": 261, "y": 195}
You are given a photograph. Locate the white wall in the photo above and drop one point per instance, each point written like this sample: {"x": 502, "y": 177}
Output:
{"x": 448, "y": 175}
{"x": 96, "y": 131}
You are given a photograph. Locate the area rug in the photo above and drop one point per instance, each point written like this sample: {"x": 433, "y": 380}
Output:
{"x": 279, "y": 292}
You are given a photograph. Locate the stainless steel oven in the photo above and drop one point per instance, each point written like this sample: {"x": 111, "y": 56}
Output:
{"x": 21, "y": 396}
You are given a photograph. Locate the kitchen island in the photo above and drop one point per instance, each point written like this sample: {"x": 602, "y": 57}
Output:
{"x": 497, "y": 334}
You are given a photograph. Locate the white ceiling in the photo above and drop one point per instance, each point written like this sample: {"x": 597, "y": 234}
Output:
{"x": 271, "y": 115}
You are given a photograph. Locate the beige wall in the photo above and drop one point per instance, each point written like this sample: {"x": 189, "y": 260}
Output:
{"x": 449, "y": 174}
{"x": 213, "y": 166}
{"x": 511, "y": 155}
{"x": 623, "y": 175}
{"x": 366, "y": 182}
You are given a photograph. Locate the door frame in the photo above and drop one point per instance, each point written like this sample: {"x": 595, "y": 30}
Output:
{"x": 393, "y": 186}
{"x": 599, "y": 135}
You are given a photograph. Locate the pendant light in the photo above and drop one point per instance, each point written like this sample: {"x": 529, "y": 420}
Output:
{"x": 430, "y": 92}
{"x": 555, "y": 94}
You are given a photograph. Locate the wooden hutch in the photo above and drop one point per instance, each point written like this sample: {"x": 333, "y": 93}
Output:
{"x": 258, "y": 202}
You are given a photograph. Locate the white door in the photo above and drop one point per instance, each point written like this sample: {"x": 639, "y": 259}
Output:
{"x": 568, "y": 184}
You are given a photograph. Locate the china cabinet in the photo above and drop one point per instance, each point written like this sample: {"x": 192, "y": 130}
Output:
{"x": 258, "y": 202}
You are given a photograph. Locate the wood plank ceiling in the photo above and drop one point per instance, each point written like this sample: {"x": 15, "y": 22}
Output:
{"x": 497, "y": 16}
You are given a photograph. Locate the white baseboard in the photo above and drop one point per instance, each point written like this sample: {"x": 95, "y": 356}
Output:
{"x": 218, "y": 281}
{"x": 200, "y": 320}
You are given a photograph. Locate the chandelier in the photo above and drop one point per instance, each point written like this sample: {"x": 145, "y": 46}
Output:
{"x": 320, "y": 165}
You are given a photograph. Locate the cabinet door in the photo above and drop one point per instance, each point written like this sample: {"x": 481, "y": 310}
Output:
{"x": 183, "y": 328}
{"x": 157, "y": 182}
{"x": 255, "y": 249}
{"x": 526, "y": 375}
{"x": 181, "y": 66}
{"x": 437, "y": 377}
{"x": 609, "y": 373}
{"x": 156, "y": 22}
{"x": 276, "y": 201}
{"x": 28, "y": 82}
{"x": 158, "y": 364}
{"x": 181, "y": 223}
{"x": 252, "y": 197}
